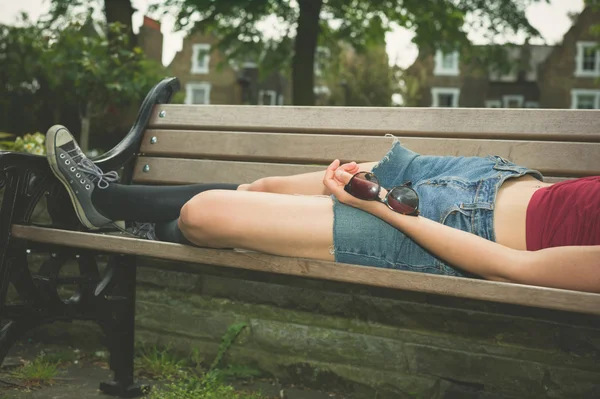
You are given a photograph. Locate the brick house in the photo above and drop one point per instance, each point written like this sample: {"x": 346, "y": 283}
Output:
{"x": 208, "y": 78}
{"x": 562, "y": 76}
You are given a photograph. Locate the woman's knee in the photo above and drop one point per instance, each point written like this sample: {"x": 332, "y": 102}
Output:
{"x": 203, "y": 219}
{"x": 265, "y": 185}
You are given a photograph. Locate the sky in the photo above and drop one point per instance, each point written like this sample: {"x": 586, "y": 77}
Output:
{"x": 549, "y": 18}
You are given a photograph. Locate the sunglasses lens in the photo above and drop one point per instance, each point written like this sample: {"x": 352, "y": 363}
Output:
{"x": 403, "y": 200}
{"x": 364, "y": 186}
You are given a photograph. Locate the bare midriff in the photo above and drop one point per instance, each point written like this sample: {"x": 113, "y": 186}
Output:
{"x": 510, "y": 211}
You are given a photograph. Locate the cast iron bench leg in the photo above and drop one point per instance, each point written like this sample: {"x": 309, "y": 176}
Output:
{"x": 121, "y": 336}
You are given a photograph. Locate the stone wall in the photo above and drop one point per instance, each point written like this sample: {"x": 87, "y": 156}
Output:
{"x": 366, "y": 340}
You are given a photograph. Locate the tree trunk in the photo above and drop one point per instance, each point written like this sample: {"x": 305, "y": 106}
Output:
{"x": 303, "y": 63}
{"x": 84, "y": 138}
{"x": 121, "y": 11}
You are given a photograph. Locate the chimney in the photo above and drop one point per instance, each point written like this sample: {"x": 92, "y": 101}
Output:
{"x": 150, "y": 39}
{"x": 524, "y": 62}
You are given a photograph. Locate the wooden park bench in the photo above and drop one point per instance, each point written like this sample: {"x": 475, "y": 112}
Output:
{"x": 180, "y": 144}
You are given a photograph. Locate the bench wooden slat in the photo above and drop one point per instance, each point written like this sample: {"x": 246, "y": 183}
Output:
{"x": 525, "y": 124}
{"x": 187, "y": 171}
{"x": 551, "y": 158}
{"x": 190, "y": 171}
{"x": 452, "y": 286}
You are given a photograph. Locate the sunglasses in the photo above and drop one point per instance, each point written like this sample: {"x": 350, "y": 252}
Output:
{"x": 402, "y": 199}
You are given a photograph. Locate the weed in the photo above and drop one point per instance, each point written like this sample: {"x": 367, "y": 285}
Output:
{"x": 194, "y": 384}
{"x": 228, "y": 339}
{"x": 36, "y": 373}
{"x": 208, "y": 386}
{"x": 61, "y": 357}
{"x": 158, "y": 363}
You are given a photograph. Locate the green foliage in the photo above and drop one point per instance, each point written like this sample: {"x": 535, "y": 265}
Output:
{"x": 61, "y": 357}
{"x": 188, "y": 381}
{"x": 208, "y": 386}
{"x": 155, "y": 362}
{"x": 228, "y": 339}
{"x": 361, "y": 79}
{"x": 239, "y": 25}
{"x": 75, "y": 66}
{"x": 31, "y": 143}
{"x": 36, "y": 373}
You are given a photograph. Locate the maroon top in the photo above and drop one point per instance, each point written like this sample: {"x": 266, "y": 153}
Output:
{"x": 566, "y": 213}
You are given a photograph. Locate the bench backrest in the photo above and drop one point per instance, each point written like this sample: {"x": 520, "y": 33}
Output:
{"x": 239, "y": 144}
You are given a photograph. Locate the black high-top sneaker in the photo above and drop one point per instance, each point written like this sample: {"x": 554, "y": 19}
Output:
{"x": 78, "y": 174}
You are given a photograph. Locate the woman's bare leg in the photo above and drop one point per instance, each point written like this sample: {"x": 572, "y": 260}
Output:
{"x": 287, "y": 225}
{"x": 305, "y": 183}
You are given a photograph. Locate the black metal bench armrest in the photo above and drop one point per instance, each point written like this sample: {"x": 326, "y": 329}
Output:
{"x": 20, "y": 160}
{"x": 120, "y": 154}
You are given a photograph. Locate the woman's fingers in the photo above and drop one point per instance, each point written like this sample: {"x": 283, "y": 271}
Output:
{"x": 342, "y": 176}
{"x": 336, "y": 177}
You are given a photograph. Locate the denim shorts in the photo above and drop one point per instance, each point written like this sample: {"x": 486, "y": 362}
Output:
{"x": 459, "y": 192}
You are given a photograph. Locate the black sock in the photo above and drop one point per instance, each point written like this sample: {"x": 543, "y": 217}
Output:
{"x": 148, "y": 204}
{"x": 170, "y": 232}
{"x": 151, "y": 204}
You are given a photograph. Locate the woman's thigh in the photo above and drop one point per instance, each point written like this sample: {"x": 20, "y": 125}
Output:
{"x": 287, "y": 225}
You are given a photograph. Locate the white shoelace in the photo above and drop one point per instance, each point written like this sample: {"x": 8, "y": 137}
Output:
{"x": 92, "y": 171}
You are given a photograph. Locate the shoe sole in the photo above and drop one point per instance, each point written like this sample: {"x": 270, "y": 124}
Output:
{"x": 51, "y": 155}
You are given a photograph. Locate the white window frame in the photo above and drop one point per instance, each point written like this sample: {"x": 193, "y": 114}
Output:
{"x": 579, "y": 71}
{"x": 196, "y": 67}
{"x": 493, "y": 104}
{"x": 280, "y": 100}
{"x": 586, "y": 92}
{"x": 271, "y": 93}
{"x": 436, "y": 91}
{"x": 321, "y": 90}
{"x": 439, "y": 69}
{"x": 507, "y": 98}
{"x": 322, "y": 54}
{"x": 189, "y": 92}
{"x": 532, "y": 104}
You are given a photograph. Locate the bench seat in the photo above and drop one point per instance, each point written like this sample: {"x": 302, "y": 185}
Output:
{"x": 550, "y": 298}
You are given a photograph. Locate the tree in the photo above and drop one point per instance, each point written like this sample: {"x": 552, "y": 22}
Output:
{"x": 120, "y": 11}
{"x": 305, "y": 23}
{"x": 360, "y": 79}
{"x": 85, "y": 66}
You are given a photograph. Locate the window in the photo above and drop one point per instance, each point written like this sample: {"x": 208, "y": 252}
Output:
{"x": 493, "y": 104}
{"x": 508, "y": 76}
{"x": 512, "y": 101}
{"x": 322, "y": 55}
{"x": 445, "y": 97}
{"x": 585, "y": 99}
{"x": 197, "y": 93}
{"x": 322, "y": 90}
{"x": 587, "y": 61}
{"x": 267, "y": 97}
{"x": 446, "y": 64}
{"x": 200, "y": 58}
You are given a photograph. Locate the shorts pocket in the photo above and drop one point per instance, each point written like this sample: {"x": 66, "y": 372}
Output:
{"x": 503, "y": 164}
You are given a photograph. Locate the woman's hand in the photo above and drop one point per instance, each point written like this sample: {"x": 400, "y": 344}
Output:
{"x": 336, "y": 177}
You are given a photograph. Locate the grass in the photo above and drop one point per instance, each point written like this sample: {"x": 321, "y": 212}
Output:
{"x": 36, "y": 373}
{"x": 188, "y": 380}
{"x": 60, "y": 357}
{"x": 158, "y": 363}
{"x": 208, "y": 386}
